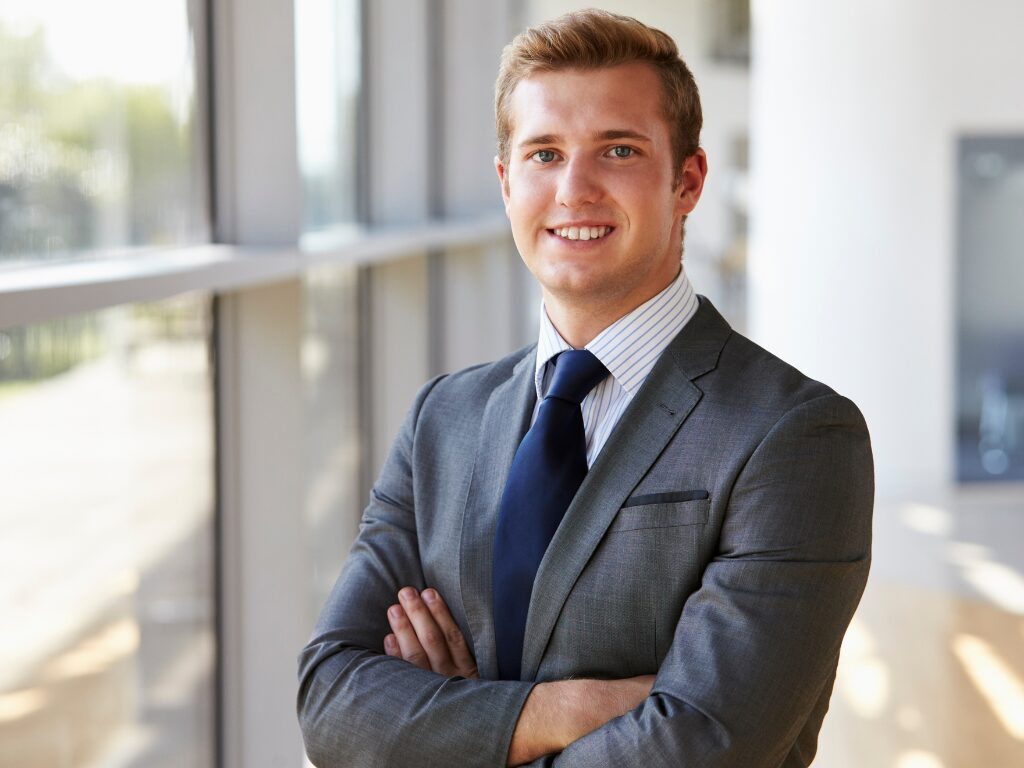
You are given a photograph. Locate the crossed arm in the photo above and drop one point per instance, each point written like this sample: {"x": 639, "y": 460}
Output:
{"x": 361, "y": 704}
{"x": 745, "y": 681}
{"x": 555, "y": 714}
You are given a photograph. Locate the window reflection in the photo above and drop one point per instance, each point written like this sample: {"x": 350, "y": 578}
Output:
{"x": 99, "y": 132}
{"x": 106, "y": 561}
{"x": 327, "y": 87}
{"x": 330, "y": 370}
{"x": 990, "y": 397}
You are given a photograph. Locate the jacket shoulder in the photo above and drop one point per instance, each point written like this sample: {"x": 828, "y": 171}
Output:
{"x": 466, "y": 391}
{"x": 751, "y": 377}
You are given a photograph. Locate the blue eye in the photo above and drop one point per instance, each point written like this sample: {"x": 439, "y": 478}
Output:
{"x": 544, "y": 155}
{"x": 623, "y": 152}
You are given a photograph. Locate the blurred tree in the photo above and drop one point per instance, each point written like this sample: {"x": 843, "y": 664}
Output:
{"x": 88, "y": 164}
{"x": 84, "y": 164}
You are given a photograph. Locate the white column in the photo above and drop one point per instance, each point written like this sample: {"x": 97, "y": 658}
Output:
{"x": 265, "y": 570}
{"x": 856, "y": 108}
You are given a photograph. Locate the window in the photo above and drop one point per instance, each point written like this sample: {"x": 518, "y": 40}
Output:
{"x": 333, "y": 450}
{"x": 990, "y": 313}
{"x": 99, "y": 128}
{"x": 106, "y": 562}
{"x": 328, "y": 74}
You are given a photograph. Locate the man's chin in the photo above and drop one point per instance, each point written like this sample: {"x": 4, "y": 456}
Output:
{"x": 581, "y": 287}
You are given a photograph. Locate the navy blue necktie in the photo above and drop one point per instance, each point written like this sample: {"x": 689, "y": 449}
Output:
{"x": 547, "y": 470}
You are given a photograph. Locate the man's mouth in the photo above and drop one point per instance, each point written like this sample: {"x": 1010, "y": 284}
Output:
{"x": 581, "y": 233}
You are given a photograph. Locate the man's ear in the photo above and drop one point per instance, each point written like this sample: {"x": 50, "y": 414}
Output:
{"x": 691, "y": 181}
{"x": 503, "y": 179}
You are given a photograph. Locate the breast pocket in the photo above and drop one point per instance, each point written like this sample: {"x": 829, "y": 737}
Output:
{"x": 629, "y": 596}
{"x": 661, "y": 514}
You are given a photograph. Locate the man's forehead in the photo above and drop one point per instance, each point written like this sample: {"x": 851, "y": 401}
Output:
{"x": 629, "y": 77}
{"x": 605, "y": 103}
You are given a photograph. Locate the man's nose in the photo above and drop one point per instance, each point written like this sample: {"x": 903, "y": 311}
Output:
{"x": 578, "y": 185}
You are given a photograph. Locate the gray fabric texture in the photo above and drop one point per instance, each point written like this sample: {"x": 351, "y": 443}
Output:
{"x": 738, "y": 602}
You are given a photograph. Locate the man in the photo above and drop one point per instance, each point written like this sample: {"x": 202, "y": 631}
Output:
{"x": 638, "y": 542}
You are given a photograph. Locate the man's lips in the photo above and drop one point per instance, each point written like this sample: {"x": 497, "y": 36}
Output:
{"x": 585, "y": 231}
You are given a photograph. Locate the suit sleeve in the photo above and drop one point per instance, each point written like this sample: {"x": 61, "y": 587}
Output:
{"x": 360, "y": 707}
{"x": 755, "y": 650}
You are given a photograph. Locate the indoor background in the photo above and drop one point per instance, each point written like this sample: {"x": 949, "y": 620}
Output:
{"x": 237, "y": 235}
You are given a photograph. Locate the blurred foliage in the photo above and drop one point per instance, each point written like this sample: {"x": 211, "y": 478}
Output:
{"x": 90, "y": 163}
{"x": 34, "y": 352}
{"x": 87, "y": 164}
{"x": 171, "y": 319}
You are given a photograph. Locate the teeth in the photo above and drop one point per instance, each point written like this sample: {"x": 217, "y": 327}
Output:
{"x": 582, "y": 233}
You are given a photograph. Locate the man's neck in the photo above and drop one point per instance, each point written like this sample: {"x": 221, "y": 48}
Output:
{"x": 579, "y": 325}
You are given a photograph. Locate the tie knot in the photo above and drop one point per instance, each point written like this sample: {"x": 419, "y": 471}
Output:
{"x": 577, "y": 372}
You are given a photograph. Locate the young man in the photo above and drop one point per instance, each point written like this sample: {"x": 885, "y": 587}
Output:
{"x": 637, "y": 542}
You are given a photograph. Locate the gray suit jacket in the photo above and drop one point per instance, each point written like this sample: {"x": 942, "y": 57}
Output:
{"x": 721, "y": 540}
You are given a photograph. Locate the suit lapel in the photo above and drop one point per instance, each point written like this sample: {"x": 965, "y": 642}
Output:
{"x": 644, "y": 429}
{"x": 505, "y": 421}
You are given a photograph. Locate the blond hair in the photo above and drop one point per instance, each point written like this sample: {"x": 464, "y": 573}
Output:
{"x": 594, "y": 39}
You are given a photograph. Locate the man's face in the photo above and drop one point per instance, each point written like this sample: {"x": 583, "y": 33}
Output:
{"x": 589, "y": 186}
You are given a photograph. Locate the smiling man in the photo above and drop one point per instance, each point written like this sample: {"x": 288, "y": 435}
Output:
{"x": 597, "y": 190}
{"x": 640, "y": 540}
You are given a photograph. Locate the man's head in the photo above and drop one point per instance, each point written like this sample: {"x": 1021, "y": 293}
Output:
{"x": 599, "y": 164}
{"x": 593, "y": 39}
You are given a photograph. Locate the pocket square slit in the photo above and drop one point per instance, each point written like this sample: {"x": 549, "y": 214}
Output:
{"x": 668, "y": 497}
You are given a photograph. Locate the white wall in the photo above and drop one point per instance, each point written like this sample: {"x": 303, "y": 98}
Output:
{"x": 474, "y": 34}
{"x": 856, "y": 109}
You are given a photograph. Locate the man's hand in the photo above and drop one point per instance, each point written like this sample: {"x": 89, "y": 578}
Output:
{"x": 425, "y": 634}
{"x": 555, "y": 714}
{"x": 558, "y": 713}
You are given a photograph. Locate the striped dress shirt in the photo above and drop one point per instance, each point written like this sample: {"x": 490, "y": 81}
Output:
{"x": 628, "y": 348}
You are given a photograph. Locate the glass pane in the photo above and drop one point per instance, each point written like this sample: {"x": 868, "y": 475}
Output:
{"x": 330, "y": 368}
{"x": 99, "y": 133}
{"x": 106, "y": 557}
{"x": 328, "y": 73}
{"x": 990, "y": 323}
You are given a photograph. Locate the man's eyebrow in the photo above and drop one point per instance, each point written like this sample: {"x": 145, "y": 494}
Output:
{"x": 623, "y": 133}
{"x": 545, "y": 138}
{"x": 612, "y": 134}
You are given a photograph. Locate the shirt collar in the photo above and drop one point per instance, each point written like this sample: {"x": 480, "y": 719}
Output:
{"x": 631, "y": 345}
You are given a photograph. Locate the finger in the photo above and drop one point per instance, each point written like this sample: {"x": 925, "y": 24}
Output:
{"x": 408, "y": 644}
{"x": 465, "y": 664}
{"x": 429, "y": 634}
{"x": 391, "y": 646}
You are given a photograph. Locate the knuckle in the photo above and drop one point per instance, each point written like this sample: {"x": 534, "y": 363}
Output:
{"x": 454, "y": 637}
{"x": 416, "y": 608}
{"x": 432, "y": 637}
